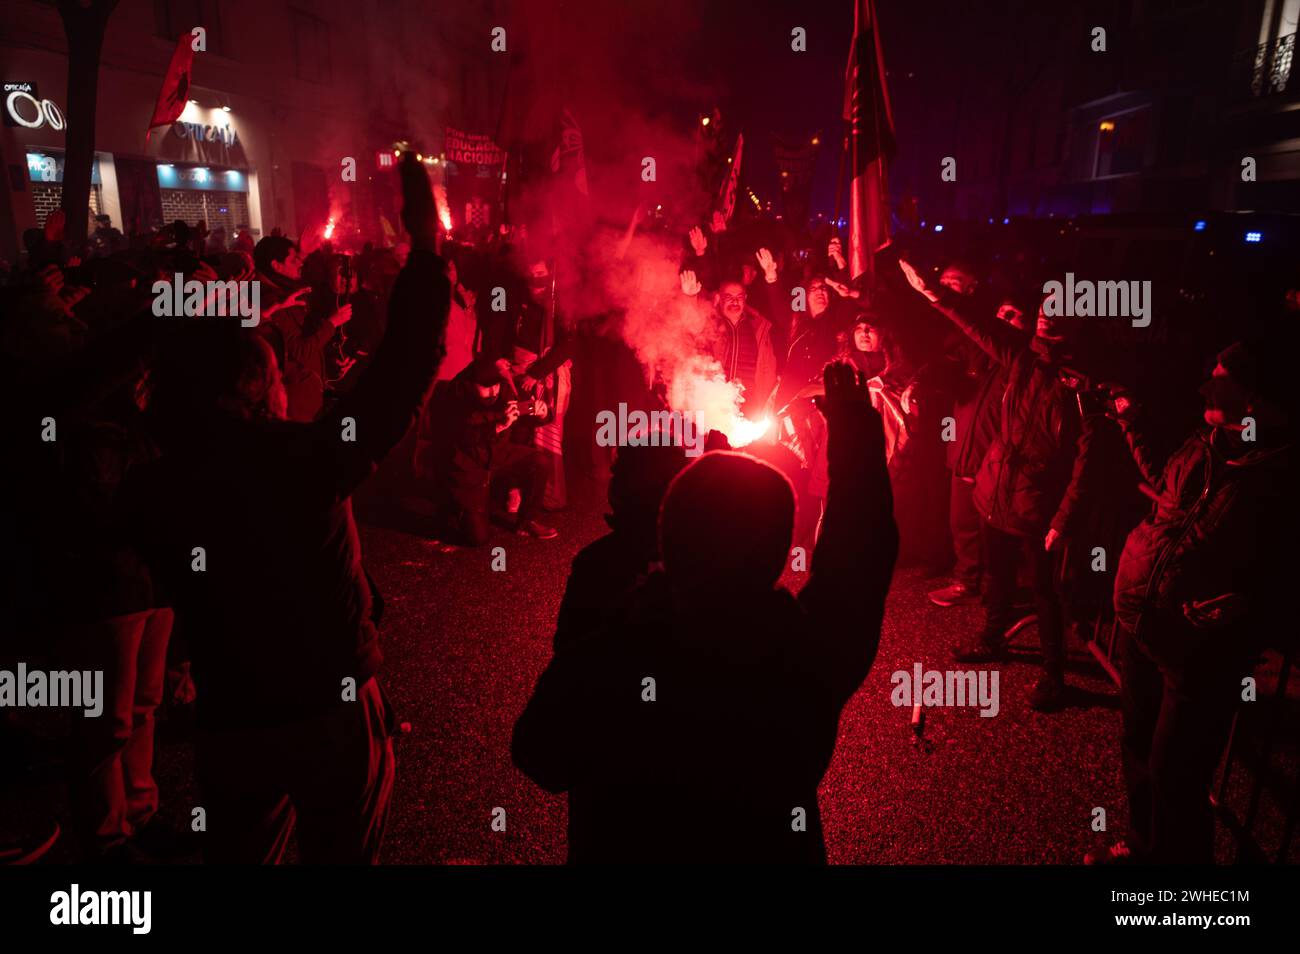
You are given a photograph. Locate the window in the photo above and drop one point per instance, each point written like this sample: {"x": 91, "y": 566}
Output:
{"x": 174, "y": 17}
{"x": 311, "y": 46}
{"x": 1122, "y": 143}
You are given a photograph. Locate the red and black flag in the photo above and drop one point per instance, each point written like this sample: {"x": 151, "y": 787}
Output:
{"x": 726, "y": 203}
{"x": 175, "y": 92}
{"x": 568, "y": 159}
{"x": 871, "y": 140}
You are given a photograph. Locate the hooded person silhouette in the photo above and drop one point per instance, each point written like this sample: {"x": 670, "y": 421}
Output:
{"x": 697, "y": 723}
{"x": 605, "y": 571}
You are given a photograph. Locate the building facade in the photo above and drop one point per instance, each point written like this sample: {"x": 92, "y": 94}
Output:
{"x": 1046, "y": 117}
{"x": 275, "y": 111}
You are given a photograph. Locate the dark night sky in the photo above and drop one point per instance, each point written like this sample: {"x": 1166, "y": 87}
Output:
{"x": 638, "y": 69}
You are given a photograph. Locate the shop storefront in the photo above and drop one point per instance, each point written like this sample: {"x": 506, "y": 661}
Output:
{"x": 195, "y": 170}
{"x": 45, "y": 175}
{"x": 218, "y": 197}
{"x": 202, "y": 173}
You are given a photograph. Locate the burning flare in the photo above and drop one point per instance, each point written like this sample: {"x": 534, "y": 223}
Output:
{"x": 444, "y": 210}
{"x": 700, "y": 387}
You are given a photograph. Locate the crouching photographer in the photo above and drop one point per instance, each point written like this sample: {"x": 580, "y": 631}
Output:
{"x": 483, "y": 447}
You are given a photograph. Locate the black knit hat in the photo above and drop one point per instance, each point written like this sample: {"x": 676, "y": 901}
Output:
{"x": 1265, "y": 366}
{"x": 485, "y": 373}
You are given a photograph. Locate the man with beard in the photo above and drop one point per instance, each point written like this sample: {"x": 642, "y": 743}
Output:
{"x": 740, "y": 340}
{"x": 1202, "y": 585}
{"x": 482, "y": 445}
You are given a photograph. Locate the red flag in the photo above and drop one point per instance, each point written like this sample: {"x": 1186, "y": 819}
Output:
{"x": 568, "y": 158}
{"x": 567, "y": 192}
{"x": 175, "y": 92}
{"x": 730, "y": 184}
{"x": 871, "y": 140}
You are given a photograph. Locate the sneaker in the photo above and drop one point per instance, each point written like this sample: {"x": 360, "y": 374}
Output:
{"x": 958, "y": 594}
{"x": 537, "y": 530}
{"x": 979, "y": 649}
{"x": 1048, "y": 695}
{"x": 1116, "y": 854}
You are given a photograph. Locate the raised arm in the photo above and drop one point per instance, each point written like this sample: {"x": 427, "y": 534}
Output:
{"x": 1149, "y": 455}
{"x": 387, "y": 399}
{"x": 996, "y": 338}
{"x": 854, "y": 559}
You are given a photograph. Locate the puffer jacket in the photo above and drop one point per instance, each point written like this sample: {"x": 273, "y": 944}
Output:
{"x": 716, "y": 341}
{"x": 1030, "y": 461}
{"x": 1222, "y": 523}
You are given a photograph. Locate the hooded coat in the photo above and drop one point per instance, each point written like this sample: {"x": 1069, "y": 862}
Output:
{"x": 1222, "y": 523}
{"x": 724, "y": 764}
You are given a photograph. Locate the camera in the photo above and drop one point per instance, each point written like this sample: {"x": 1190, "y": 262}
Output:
{"x": 1092, "y": 399}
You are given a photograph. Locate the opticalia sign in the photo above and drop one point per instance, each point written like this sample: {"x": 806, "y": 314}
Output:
{"x": 24, "y": 107}
{"x": 202, "y": 132}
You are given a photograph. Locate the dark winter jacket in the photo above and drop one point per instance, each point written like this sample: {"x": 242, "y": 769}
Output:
{"x": 1224, "y": 522}
{"x": 724, "y": 765}
{"x": 459, "y": 438}
{"x": 719, "y": 340}
{"x": 1029, "y": 463}
{"x": 817, "y": 341}
{"x": 280, "y": 614}
{"x": 978, "y": 416}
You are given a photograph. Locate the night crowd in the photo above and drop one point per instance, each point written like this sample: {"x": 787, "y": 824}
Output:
{"x": 184, "y": 522}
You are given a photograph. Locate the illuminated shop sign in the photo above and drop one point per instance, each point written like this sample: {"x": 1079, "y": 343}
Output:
{"x": 201, "y": 178}
{"x": 206, "y": 132}
{"x": 24, "y": 107}
{"x": 43, "y": 167}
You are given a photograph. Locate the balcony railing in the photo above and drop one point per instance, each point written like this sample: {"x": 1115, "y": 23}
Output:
{"x": 1267, "y": 68}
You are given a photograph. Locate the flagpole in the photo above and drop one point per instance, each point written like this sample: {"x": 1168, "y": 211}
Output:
{"x": 839, "y": 183}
